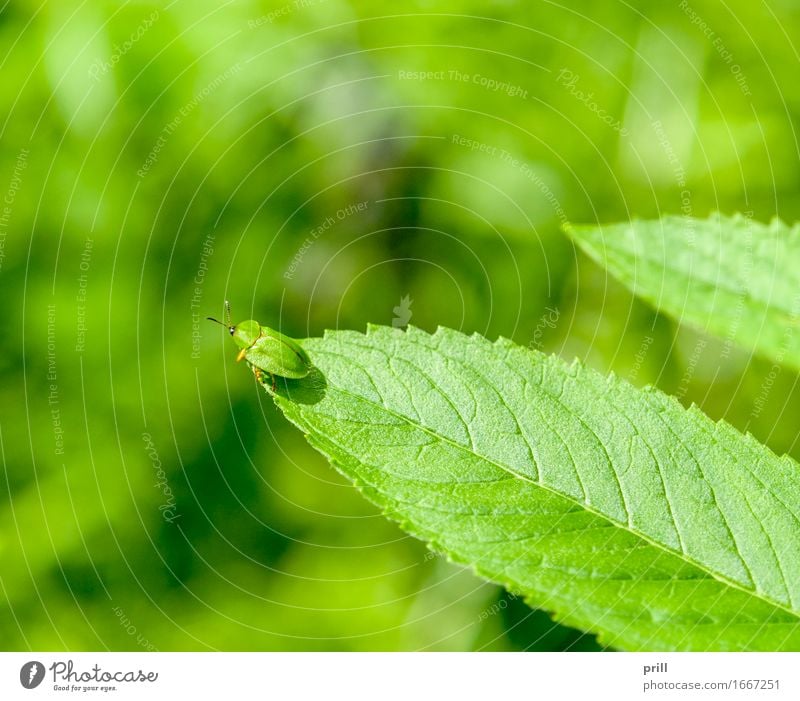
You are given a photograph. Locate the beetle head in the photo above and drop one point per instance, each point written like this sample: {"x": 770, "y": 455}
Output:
{"x": 245, "y": 333}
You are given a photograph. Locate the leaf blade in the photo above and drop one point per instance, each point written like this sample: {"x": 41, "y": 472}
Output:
{"x": 615, "y": 508}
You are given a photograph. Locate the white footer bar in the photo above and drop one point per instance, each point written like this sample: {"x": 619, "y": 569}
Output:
{"x": 400, "y": 676}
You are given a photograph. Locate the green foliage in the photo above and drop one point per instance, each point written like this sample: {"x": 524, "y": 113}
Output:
{"x": 731, "y": 276}
{"x": 614, "y": 507}
{"x": 152, "y": 179}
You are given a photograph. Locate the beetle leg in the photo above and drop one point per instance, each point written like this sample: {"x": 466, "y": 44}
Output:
{"x": 259, "y": 375}
{"x": 241, "y": 355}
{"x": 273, "y": 381}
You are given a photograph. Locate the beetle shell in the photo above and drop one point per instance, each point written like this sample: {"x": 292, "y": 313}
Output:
{"x": 277, "y": 354}
{"x": 246, "y": 333}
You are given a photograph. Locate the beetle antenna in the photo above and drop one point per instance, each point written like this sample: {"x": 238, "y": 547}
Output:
{"x": 228, "y": 311}
{"x": 230, "y": 328}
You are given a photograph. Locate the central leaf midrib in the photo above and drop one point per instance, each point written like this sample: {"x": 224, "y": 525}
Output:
{"x": 582, "y": 505}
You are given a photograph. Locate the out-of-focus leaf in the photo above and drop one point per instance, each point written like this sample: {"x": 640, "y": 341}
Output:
{"x": 730, "y": 276}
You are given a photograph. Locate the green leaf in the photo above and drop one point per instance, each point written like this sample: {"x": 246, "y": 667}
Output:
{"x": 614, "y": 508}
{"x": 730, "y": 276}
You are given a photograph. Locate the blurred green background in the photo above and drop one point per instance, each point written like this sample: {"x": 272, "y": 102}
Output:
{"x": 316, "y": 162}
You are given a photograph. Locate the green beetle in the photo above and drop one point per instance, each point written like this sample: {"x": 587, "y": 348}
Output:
{"x": 266, "y": 350}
